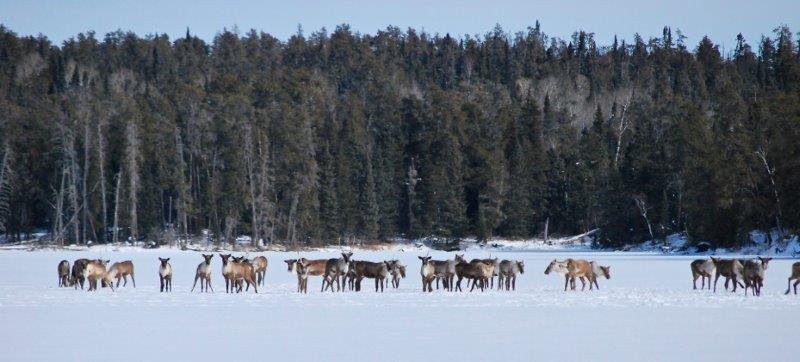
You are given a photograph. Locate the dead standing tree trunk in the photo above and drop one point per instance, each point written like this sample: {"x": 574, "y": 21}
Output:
{"x": 267, "y": 212}
{"x": 72, "y": 181}
{"x": 87, "y": 146}
{"x": 58, "y": 213}
{"x": 101, "y": 169}
{"x": 249, "y": 160}
{"x": 115, "y": 231}
{"x": 132, "y": 161}
{"x": 291, "y": 229}
{"x": 622, "y": 127}
{"x": 5, "y": 186}
{"x": 411, "y": 184}
{"x": 181, "y": 205}
{"x": 641, "y": 204}
{"x": 762, "y": 155}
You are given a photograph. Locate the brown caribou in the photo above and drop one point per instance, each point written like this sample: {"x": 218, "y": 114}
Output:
{"x": 477, "y": 271}
{"x": 753, "y": 273}
{"x": 731, "y": 269}
{"x": 63, "y": 274}
{"x": 794, "y": 276}
{"x": 372, "y": 270}
{"x": 77, "y": 272}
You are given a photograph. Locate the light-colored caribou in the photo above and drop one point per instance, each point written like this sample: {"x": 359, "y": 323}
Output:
{"x": 560, "y": 268}
{"x": 598, "y": 270}
{"x": 507, "y": 271}
{"x": 581, "y": 269}
{"x": 336, "y": 270}
{"x": 398, "y": 272}
{"x": 248, "y": 269}
{"x": 427, "y": 272}
{"x": 260, "y": 264}
{"x": 203, "y": 273}
{"x": 702, "y": 268}
{"x": 313, "y": 268}
{"x": 235, "y": 272}
{"x": 120, "y": 271}
{"x": 96, "y": 270}
{"x": 165, "y": 275}
{"x": 444, "y": 270}
{"x": 494, "y": 264}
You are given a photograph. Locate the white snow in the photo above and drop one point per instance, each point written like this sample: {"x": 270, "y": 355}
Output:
{"x": 646, "y": 310}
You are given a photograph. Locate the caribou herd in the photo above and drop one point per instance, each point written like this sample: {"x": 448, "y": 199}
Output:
{"x": 745, "y": 273}
{"x": 343, "y": 273}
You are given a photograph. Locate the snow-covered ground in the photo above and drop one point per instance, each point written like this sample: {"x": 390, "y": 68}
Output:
{"x": 646, "y": 310}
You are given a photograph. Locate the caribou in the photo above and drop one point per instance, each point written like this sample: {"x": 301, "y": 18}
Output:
{"x": 446, "y": 271}
{"x": 559, "y": 267}
{"x": 753, "y": 272}
{"x": 164, "y": 275}
{"x": 203, "y": 273}
{"x": 598, "y": 269}
{"x": 120, "y": 271}
{"x": 336, "y": 270}
{"x": 260, "y": 264}
{"x": 476, "y": 270}
{"x": 96, "y": 270}
{"x": 507, "y": 271}
{"x": 312, "y": 268}
{"x": 494, "y": 264}
{"x": 78, "y": 276}
{"x": 372, "y": 270}
{"x": 302, "y": 275}
{"x": 398, "y": 272}
{"x": 247, "y": 269}
{"x": 794, "y": 276}
{"x": 702, "y": 268}
{"x": 731, "y": 269}
{"x": 427, "y": 272}
{"x": 63, "y": 274}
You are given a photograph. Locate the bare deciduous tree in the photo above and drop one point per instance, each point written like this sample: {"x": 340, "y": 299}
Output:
{"x": 101, "y": 169}
{"x": 117, "y": 190}
{"x": 622, "y": 127}
{"x": 6, "y": 175}
{"x": 641, "y": 204}
{"x": 132, "y": 163}
{"x": 761, "y": 153}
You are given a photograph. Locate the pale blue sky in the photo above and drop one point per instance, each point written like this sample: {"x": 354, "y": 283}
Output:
{"x": 719, "y": 19}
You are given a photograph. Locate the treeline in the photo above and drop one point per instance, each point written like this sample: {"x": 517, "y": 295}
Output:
{"x": 398, "y": 134}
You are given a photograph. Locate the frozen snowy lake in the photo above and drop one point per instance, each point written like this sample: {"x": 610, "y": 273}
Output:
{"x": 646, "y": 310}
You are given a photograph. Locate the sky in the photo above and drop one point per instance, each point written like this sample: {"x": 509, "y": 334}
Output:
{"x": 721, "y": 20}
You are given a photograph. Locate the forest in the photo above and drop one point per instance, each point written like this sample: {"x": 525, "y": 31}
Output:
{"x": 398, "y": 134}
